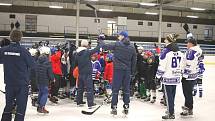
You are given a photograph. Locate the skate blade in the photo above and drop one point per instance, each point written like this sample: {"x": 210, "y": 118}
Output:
{"x": 187, "y": 117}
{"x": 125, "y": 116}
{"x": 114, "y": 116}
{"x": 168, "y": 119}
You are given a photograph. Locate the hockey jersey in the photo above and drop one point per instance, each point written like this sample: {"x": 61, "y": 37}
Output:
{"x": 191, "y": 67}
{"x": 96, "y": 70}
{"x": 170, "y": 65}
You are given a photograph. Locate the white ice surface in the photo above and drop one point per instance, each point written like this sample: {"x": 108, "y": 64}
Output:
{"x": 204, "y": 108}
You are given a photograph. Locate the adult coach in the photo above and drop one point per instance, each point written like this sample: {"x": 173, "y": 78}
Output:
{"x": 124, "y": 61}
{"x": 17, "y": 62}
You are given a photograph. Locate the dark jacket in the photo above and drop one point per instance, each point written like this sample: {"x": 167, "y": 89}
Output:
{"x": 173, "y": 47}
{"x": 44, "y": 72}
{"x": 17, "y": 62}
{"x": 125, "y": 56}
{"x": 83, "y": 59}
{"x": 141, "y": 66}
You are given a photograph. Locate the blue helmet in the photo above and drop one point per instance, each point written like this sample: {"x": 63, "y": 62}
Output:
{"x": 53, "y": 50}
{"x": 109, "y": 57}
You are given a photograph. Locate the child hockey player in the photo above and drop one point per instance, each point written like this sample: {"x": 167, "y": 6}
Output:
{"x": 149, "y": 77}
{"x": 44, "y": 74}
{"x": 170, "y": 68}
{"x": 108, "y": 75}
{"x": 57, "y": 70}
{"x": 141, "y": 73}
{"x": 34, "y": 89}
{"x": 198, "y": 82}
{"x": 96, "y": 66}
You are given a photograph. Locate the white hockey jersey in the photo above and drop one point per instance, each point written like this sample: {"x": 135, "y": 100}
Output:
{"x": 191, "y": 66}
{"x": 170, "y": 67}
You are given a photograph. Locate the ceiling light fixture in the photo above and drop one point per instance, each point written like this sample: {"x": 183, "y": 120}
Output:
{"x": 53, "y": 6}
{"x": 107, "y": 10}
{"x": 192, "y": 16}
{"x": 148, "y": 4}
{"x": 197, "y": 9}
{"x": 5, "y": 4}
{"x": 93, "y": 0}
{"x": 151, "y": 13}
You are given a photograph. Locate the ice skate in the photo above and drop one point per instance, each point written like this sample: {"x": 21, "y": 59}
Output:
{"x": 186, "y": 111}
{"x": 114, "y": 111}
{"x": 147, "y": 99}
{"x": 153, "y": 100}
{"x": 200, "y": 94}
{"x": 125, "y": 110}
{"x": 194, "y": 92}
{"x": 168, "y": 116}
{"x": 53, "y": 100}
{"x": 81, "y": 104}
{"x": 93, "y": 106}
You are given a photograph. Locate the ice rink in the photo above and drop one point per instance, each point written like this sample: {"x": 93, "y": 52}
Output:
{"x": 66, "y": 110}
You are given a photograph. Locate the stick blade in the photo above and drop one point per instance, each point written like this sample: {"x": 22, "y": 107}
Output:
{"x": 90, "y": 6}
{"x": 86, "y": 112}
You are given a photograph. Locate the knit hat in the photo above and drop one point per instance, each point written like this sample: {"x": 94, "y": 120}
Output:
{"x": 172, "y": 37}
{"x": 16, "y": 35}
{"x": 84, "y": 43}
{"x": 124, "y": 33}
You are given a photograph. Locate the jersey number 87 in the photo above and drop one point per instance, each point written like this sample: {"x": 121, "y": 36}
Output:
{"x": 175, "y": 61}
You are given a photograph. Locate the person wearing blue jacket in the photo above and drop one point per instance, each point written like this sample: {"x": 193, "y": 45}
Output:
{"x": 83, "y": 59}
{"x": 17, "y": 63}
{"x": 44, "y": 75}
{"x": 124, "y": 62}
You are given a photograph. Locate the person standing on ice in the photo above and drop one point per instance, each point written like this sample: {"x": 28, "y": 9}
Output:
{"x": 190, "y": 75}
{"x": 83, "y": 59}
{"x": 44, "y": 75}
{"x": 170, "y": 70}
{"x": 17, "y": 63}
{"x": 124, "y": 62}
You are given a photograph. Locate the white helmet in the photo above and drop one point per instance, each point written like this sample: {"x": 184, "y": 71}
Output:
{"x": 140, "y": 48}
{"x": 45, "y": 50}
{"x": 33, "y": 51}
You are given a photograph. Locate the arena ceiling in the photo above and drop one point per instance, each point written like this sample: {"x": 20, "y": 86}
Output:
{"x": 170, "y": 7}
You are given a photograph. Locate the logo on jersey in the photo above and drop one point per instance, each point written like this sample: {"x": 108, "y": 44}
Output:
{"x": 11, "y": 53}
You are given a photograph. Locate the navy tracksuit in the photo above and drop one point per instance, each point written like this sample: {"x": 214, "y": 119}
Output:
{"x": 124, "y": 61}
{"x": 83, "y": 60}
{"x": 121, "y": 78}
{"x": 17, "y": 62}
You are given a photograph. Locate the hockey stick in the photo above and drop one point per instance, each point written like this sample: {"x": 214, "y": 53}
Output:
{"x": 90, "y": 113}
{"x": 96, "y": 15}
{"x": 2, "y": 91}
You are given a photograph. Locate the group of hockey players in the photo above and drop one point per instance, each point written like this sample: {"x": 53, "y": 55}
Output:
{"x": 67, "y": 71}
